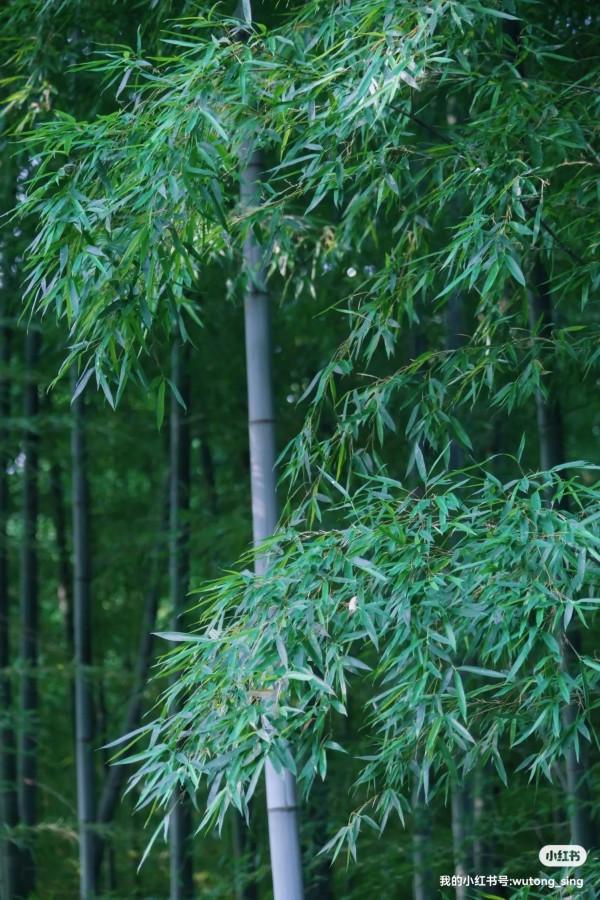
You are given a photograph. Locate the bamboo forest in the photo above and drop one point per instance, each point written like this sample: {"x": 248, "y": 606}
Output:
{"x": 299, "y": 429}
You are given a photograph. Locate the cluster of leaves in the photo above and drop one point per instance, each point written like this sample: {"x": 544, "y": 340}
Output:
{"x": 352, "y": 106}
{"x": 447, "y": 604}
{"x": 427, "y": 396}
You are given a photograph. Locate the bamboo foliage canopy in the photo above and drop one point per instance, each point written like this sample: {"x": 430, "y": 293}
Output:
{"x": 419, "y": 151}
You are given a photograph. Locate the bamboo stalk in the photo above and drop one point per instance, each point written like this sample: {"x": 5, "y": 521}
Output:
{"x": 180, "y": 821}
{"x": 284, "y": 842}
{"x": 28, "y": 644}
{"x": 82, "y": 633}
{"x": 9, "y": 812}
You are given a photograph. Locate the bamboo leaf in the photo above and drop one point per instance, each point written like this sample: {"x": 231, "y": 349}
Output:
{"x": 123, "y": 82}
{"x": 515, "y": 269}
{"x": 160, "y": 404}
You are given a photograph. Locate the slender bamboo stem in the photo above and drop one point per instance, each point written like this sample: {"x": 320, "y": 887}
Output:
{"x": 284, "y": 842}
{"x": 9, "y": 812}
{"x": 423, "y": 888}
{"x": 65, "y": 574}
{"x": 180, "y": 822}
{"x": 82, "y": 633}
{"x": 28, "y": 649}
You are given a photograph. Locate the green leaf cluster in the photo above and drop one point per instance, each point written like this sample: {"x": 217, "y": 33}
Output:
{"x": 442, "y": 610}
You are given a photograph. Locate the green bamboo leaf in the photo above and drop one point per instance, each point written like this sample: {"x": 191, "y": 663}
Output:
{"x": 368, "y": 566}
{"x": 123, "y": 81}
{"x": 392, "y": 183}
{"x": 83, "y": 380}
{"x": 491, "y": 278}
{"x": 460, "y": 693}
{"x": 160, "y": 404}
{"x": 315, "y": 200}
{"x": 179, "y": 636}
{"x": 461, "y": 433}
{"x": 519, "y": 660}
{"x": 515, "y": 269}
{"x": 592, "y": 663}
{"x": 420, "y": 461}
